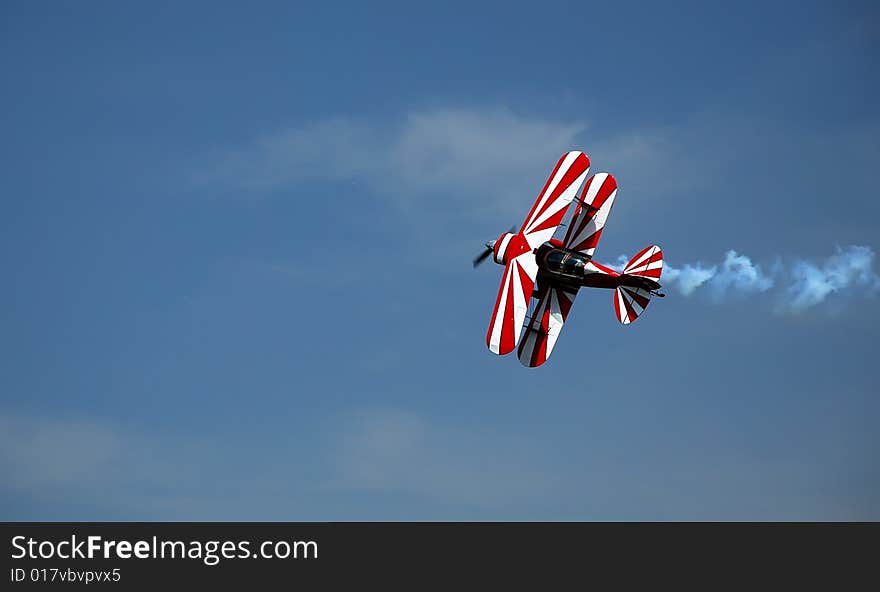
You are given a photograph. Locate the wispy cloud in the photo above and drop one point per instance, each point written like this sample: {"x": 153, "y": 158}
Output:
{"x": 393, "y": 451}
{"x": 37, "y": 454}
{"x": 149, "y": 473}
{"x": 338, "y": 148}
{"x": 136, "y": 472}
{"x": 452, "y": 159}
{"x": 452, "y": 468}
{"x": 797, "y": 286}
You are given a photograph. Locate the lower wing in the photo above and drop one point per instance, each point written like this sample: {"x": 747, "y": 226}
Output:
{"x": 543, "y": 328}
{"x": 512, "y": 304}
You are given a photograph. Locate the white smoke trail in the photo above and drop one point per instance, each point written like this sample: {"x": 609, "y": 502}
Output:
{"x": 811, "y": 284}
{"x": 798, "y": 286}
{"x": 688, "y": 278}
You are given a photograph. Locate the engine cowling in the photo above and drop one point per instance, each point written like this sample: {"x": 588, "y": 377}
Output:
{"x": 500, "y": 248}
{"x": 509, "y": 246}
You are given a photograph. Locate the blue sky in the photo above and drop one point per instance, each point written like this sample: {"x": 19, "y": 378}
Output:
{"x": 237, "y": 239}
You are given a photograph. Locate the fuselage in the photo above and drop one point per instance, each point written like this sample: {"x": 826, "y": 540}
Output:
{"x": 574, "y": 269}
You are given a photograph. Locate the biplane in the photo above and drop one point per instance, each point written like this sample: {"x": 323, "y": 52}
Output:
{"x": 542, "y": 274}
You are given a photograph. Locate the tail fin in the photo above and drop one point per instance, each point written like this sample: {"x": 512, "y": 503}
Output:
{"x": 647, "y": 263}
{"x": 631, "y": 301}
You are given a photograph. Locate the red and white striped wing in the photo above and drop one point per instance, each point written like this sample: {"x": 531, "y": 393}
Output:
{"x": 522, "y": 269}
{"x": 553, "y": 201}
{"x": 543, "y": 329}
{"x": 591, "y": 213}
{"x": 512, "y": 304}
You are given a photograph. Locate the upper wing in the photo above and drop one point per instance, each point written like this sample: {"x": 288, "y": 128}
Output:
{"x": 543, "y": 329}
{"x": 591, "y": 213}
{"x": 552, "y": 202}
{"x": 512, "y": 304}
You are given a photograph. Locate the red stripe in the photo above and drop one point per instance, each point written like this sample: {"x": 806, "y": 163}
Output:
{"x": 651, "y": 273}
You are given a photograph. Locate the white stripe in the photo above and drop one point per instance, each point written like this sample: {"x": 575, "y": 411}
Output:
{"x": 536, "y": 239}
{"x": 529, "y": 264}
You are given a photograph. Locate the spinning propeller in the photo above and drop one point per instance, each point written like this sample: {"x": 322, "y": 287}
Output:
{"x": 490, "y": 246}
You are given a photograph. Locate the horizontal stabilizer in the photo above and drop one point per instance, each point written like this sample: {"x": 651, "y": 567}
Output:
{"x": 629, "y": 303}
